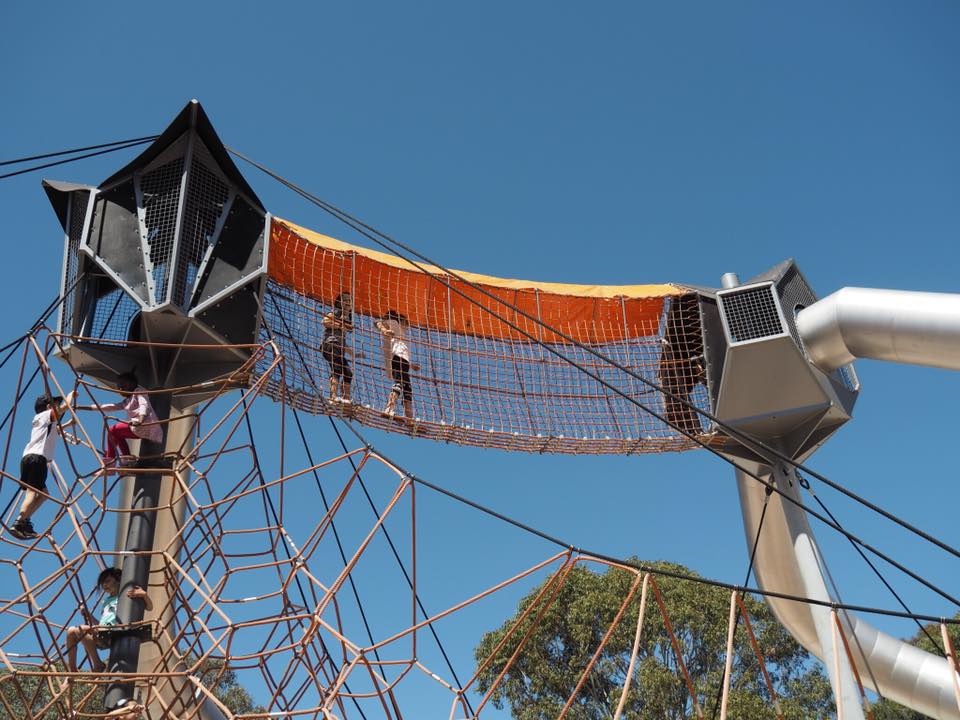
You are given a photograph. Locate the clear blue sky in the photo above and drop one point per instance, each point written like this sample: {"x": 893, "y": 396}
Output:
{"x": 595, "y": 143}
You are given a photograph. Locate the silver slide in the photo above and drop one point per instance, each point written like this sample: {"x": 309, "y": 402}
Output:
{"x": 911, "y": 327}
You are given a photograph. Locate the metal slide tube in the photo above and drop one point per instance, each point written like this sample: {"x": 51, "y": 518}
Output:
{"x": 787, "y": 560}
{"x": 918, "y": 328}
{"x": 800, "y": 553}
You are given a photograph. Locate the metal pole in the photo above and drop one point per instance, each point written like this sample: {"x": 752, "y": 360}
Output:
{"x": 125, "y": 648}
{"x": 176, "y": 694}
{"x": 729, "y": 280}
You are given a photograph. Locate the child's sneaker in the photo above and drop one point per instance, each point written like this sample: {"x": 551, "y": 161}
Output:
{"x": 23, "y": 529}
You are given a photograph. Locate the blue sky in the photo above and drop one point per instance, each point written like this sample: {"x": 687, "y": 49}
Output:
{"x": 614, "y": 143}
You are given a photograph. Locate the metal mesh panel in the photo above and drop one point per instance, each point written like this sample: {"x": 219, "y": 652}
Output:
{"x": 751, "y": 314}
{"x": 78, "y": 210}
{"x": 796, "y": 294}
{"x": 111, "y": 317}
{"x": 206, "y": 196}
{"x": 160, "y": 189}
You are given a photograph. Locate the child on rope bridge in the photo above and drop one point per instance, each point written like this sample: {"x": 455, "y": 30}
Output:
{"x": 396, "y": 355}
{"x": 143, "y": 422}
{"x": 96, "y": 635}
{"x": 36, "y": 456}
{"x": 336, "y": 325}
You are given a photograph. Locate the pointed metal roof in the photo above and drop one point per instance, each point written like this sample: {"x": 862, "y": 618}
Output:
{"x": 192, "y": 116}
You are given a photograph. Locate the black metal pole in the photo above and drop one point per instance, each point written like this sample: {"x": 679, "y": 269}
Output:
{"x": 125, "y": 646}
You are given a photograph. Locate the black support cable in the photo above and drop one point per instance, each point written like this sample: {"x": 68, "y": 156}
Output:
{"x": 746, "y": 581}
{"x": 373, "y": 506}
{"x": 730, "y": 461}
{"x": 406, "y": 575}
{"x": 626, "y": 562}
{"x": 43, "y": 156}
{"x": 73, "y": 159}
{"x": 286, "y": 550}
{"x": 333, "y": 527}
{"x": 764, "y": 450}
{"x": 876, "y": 571}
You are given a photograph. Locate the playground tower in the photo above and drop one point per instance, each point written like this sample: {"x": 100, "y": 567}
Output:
{"x": 164, "y": 268}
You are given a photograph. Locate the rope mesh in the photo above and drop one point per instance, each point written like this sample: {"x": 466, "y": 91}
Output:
{"x": 475, "y": 380}
{"x": 249, "y": 584}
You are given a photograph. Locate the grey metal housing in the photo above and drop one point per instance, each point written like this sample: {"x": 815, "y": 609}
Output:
{"x": 760, "y": 378}
{"x": 171, "y": 249}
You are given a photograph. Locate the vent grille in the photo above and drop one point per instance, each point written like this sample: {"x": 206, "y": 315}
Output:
{"x": 751, "y": 314}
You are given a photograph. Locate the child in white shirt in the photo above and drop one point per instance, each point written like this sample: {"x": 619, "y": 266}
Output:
{"x": 36, "y": 456}
{"x": 396, "y": 355}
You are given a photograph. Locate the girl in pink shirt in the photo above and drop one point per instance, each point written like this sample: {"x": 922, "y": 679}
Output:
{"x": 143, "y": 422}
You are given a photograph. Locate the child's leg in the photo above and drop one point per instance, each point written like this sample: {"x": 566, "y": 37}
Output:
{"x": 33, "y": 474}
{"x": 32, "y": 500}
{"x": 406, "y": 387}
{"x": 391, "y": 402}
{"x": 117, "y": 436}
{"x": 86, "y": 635}
{"x": 346, "y": 377}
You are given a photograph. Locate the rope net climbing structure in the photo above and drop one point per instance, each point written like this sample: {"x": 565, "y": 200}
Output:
{"x": 482, "y": 373}
{"x": 274, "y": 575}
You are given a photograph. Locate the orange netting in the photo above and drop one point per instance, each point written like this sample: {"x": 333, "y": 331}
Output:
{"x": 475, "y": 380}
{"x": 259, "y": 578}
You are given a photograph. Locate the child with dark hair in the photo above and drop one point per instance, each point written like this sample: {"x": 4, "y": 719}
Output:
{"x": 396, "y": 355}
{"x": 143, "y": 422}
{"x": 90, "y": 635}
{"x": 36, "y": 456}
{"x": 336, "y": 325}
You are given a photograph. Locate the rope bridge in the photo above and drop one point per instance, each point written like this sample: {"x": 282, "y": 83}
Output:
{"x": 478, "y": 378}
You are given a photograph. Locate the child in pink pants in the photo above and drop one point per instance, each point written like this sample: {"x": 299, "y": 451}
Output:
{"x": 143, "y": 423}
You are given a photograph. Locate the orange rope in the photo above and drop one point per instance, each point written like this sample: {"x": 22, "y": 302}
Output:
{"x": 676, "y": 647}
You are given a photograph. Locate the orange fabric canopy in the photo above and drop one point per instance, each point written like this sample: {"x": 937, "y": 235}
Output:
{"x": 321, "y": 267}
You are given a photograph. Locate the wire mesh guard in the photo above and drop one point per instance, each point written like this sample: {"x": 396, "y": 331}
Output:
{"x": 160, "y": 189}
{"x": 276, "y": 576}
{"x": 482, "y": 373}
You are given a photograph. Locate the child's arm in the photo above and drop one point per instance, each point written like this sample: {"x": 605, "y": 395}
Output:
{"x": 65, "y": 405}
{"x": 106, "y": 407}
{"x": 142, "y": 409}
{"x": 138, "y": 592}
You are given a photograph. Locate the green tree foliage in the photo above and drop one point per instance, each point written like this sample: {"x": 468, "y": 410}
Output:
{"x": 548, "y": 668}
{"x": 223, "y": 682}
{"x": 34, "y": 692}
